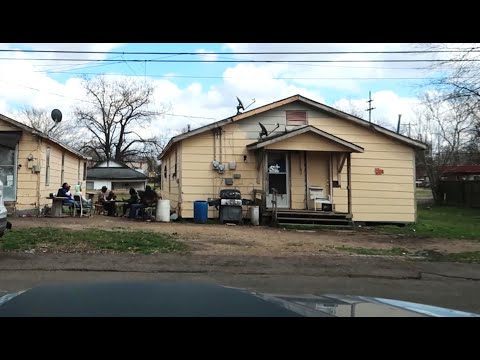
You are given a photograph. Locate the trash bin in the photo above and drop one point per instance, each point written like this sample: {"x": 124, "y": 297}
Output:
{"x": 163, "y": 211}
{"x": 200, "y": 211}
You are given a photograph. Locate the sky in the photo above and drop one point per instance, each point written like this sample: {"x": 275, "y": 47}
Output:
{"x": 198, "y": 93}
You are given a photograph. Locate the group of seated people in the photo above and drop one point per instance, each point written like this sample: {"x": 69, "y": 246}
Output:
{"x": 134, "y": 205}
{"x": 65, "y": 192}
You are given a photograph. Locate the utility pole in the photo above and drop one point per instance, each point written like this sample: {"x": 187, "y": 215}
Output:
{"x": 369, "y": 106}
{"x": 409, "y": 128}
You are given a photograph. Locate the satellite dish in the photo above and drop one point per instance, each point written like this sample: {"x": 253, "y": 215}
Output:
{"x": 56, "y": 115}
{"x": 239, "y": 106}
{"x": 264, "y": 130}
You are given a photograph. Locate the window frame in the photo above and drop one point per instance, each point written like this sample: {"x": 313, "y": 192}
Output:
{"x": 287, "y": 112}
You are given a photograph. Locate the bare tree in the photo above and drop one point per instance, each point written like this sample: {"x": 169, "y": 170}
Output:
{"x": 445, "y": 125}
{"x": 117, "y": 114}
{"x": 350, "y": 108}
{"x": 40, "y": 120}
{"x": 458, "y": 77}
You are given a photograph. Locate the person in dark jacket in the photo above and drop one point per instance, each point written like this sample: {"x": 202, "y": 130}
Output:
{"x": 64, "y": 191}
{"x": 133, "y": 200}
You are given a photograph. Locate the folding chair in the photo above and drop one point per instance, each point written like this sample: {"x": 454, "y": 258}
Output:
{"x": 80, "y": 208}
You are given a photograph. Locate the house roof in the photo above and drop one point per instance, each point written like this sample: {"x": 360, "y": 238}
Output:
{"x": 41, "y": 134}
{"x": 460, "y": 169}
{"x": 302, "y": 130}
{"x": 117, "y": 173}
{"x": 289, "y": 100}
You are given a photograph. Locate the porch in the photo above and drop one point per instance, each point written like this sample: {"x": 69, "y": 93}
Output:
{"x": 302, "y": 177}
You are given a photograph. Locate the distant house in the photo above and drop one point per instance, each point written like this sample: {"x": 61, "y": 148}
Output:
{"x": 140, "y": 165}
{"x": 460, "y": 172}
{"x": 115, "y": 175}
{"x": 292, "y": 150}
{"x": 33, "y": 165}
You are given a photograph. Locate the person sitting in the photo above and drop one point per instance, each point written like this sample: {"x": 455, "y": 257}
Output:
{"x": 106, "y": 201}
{"x": 149, "y": 197}
{"x": 64, "y": 192}
{"x": 133, "y": 200}
{"x": 78, "y": 191}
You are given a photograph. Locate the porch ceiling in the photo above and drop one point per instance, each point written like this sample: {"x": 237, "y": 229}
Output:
{"x": 307, "y": 138}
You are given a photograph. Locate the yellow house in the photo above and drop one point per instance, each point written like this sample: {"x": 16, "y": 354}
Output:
{"x": 302, "y": 152}
{"x": 33, "y": 165}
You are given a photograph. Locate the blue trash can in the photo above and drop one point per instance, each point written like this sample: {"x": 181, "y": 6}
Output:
{"x": 200, "y": 211}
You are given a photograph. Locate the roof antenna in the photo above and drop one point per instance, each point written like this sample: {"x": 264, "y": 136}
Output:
{"x": 240, "y": 105}
{"x": 56, "y": 117}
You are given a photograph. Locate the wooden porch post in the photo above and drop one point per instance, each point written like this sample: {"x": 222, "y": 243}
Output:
{"x": 349, "y": 182}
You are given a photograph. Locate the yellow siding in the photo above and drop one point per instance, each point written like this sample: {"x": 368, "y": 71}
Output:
{"x": 31, "y": 191}
{"x": 297, "y": 179}
{"x": 7, "y": 127}
{"x": 307, "y": 142}
{"x": 317, "y": 171}
{"x": 171, "y": 183}
{"x": 200, "y": 181}
{"x": 387, "y": 197}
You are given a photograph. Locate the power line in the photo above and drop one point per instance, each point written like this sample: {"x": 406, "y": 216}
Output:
{"x": 249, "y": 61}
{"x": 91, "y": 102}
{"x": 458, "y": 50}
{"x": 230, "y": 77}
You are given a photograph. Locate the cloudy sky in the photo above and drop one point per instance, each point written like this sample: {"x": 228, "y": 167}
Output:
{"x": 204, "y": 91}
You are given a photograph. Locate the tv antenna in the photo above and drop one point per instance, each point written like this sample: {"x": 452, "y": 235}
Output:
{"x": 240, "y": 105}
{"x": 264, "y": 131}
{"x": 56, "y": 117}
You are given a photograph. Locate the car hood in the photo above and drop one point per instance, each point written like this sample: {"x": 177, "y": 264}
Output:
{"x": 359, "y": 306}
{"x": 173, "y": 299}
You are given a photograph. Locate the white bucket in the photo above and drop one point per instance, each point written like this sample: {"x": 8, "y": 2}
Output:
{"x": 255, "y": 215}
{"x": 163, "y": 211}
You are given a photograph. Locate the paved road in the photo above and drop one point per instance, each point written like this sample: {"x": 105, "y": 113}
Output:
{"x": 450, "y": 285}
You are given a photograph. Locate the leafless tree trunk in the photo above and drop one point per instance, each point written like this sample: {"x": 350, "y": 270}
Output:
{"x": 116, "y": 114}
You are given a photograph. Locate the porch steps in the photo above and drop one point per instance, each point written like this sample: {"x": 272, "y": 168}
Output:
{"x": 294, "y": 217}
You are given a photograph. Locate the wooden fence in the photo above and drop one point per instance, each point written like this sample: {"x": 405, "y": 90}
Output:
{"x": 461, "y": 193}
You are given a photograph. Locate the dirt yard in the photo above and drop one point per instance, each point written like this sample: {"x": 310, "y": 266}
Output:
{"x": 207, "y": 239}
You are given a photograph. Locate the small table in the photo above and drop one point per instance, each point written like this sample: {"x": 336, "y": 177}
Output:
{"x": 57, "y": 206}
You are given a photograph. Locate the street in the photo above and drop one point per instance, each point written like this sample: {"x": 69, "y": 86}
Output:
{"x": 449, "y": 285}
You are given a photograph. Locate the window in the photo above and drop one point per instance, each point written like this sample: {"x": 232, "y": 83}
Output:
{"x": 84, "y": 170}
{"x": 62, "y": 176}
{"x": 78, "y": 172}
{"x": 47, "y": 167}
{"x": 296, "y": 117}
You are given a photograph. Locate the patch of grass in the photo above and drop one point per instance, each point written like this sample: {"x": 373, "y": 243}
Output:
{"x": 471, "y": 257}
{"x": 396, "y": 251}
{"x": 423, "y": 193}
{"x": 91, "y": 239}
{"x": 442, "y": 222}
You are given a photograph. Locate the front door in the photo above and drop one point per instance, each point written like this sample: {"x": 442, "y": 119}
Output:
{"x": 8, "y": 172}
{"x": 277, "y": 178}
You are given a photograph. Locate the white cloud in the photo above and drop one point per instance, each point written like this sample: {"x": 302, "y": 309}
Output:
{"x": 387, "y": 104}
{"x": 208, "y": 55}
{"x": 198, "y": 104}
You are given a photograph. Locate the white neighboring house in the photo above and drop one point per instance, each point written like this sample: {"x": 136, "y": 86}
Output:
{"x": 115, "y": 175}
